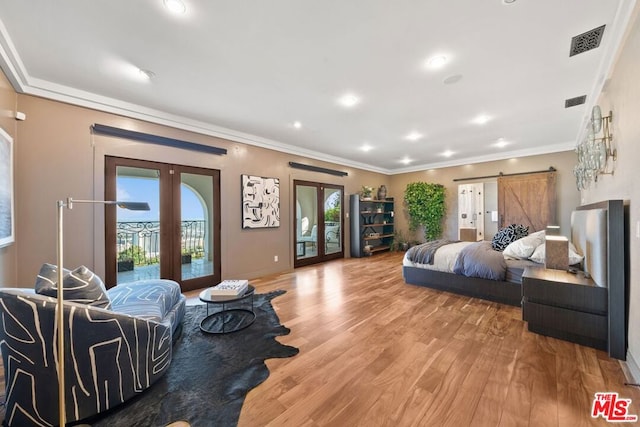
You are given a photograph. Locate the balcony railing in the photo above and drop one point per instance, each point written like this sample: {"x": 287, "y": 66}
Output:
{"x": 138, "y": 242}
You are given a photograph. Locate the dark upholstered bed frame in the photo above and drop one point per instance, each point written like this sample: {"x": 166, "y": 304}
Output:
{"x": 492, "y": 290}
{"x": 511, "y": 293}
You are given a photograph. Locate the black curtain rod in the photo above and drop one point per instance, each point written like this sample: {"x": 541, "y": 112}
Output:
{"x": 155, "y": 139}
{"x": 551, "y": 169}
{"x": 317, "y": 169}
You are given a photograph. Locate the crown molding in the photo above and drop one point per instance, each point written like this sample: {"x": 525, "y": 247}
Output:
{"x": 545, "y": 149}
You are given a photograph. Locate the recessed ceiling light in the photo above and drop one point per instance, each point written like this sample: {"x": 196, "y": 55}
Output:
{"x": 452, "y": 79}
{"x": 349, "y": 100}
{"x": 508, "y": 1}
{"x": 448, "y": 153}
{"x": 481, "y": 119}
{"x": 406, "y": 161}
{"x": 501, "y": 143}
{"x": 297, "y": 125}
{"x": 146, "y": 74}
{"x": 413, "y": 136}
{"x": 366, "y": 147}
{"x": 175, "y": 6}
{"x": 436, "y": 62}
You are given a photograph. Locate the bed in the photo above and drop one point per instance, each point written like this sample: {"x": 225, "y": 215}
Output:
{"x": 607, "y": 266}
{"x": 439, "y": 275}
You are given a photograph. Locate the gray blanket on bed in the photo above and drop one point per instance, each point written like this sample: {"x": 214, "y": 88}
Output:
{"x": 479, "y": 259}
{"x": 423, "y": 254}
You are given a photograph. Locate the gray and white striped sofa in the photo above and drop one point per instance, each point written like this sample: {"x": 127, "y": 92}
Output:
{"x": 111, "y": 355}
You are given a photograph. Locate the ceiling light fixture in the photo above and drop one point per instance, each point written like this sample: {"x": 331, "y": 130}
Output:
{"x": 297, "y": 125}
{"x": 448, "y": 153}
{"x": 481, "y": 119}
{"x": 508, "y": 2}
{"x": 436, "y": 62}
{"x": 413, "y": 136}
{"x": 366, "y": 147}
{"x": 175, "y": 6}
{"x": 501, "y": 143}
{"x": 406, "y": 161}
{"x": 349, "y": 100}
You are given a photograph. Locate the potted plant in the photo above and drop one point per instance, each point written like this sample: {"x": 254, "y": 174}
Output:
{"x": 186, "y": 257}
{"x": 125, "y": 260}
{"x": 365, "y": 192}
{"x": 379, "y": 208}
{"x": 399, "y": 241}
{"x": 425, "y": 203}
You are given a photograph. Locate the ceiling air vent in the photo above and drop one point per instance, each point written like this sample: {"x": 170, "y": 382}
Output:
{"x": 586, "y": 41}
{"x": 572, "y": 102}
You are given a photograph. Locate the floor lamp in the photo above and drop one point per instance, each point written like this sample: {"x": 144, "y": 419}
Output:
{"x": 62, "y": 204}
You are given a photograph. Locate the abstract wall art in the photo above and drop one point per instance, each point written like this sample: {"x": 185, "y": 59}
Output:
{"x": 6, "y": 189}
{"x": 260, "y": 202}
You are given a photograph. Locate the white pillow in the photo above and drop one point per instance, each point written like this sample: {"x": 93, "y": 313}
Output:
{"x": 539, "y": 253}
{"x": 523, "y": 248}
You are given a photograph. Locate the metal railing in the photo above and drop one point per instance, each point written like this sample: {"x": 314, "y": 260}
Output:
{"x": 138, "y": 242}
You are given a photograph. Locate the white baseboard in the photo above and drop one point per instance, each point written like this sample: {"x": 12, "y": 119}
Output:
{"x": 631, "y": 369}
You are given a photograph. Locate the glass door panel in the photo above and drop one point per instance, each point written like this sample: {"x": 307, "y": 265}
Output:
{"x": 306, "y": 221}
{"x": 138, "y": 232}
{"x": 196, "y": 225}
{"x": 332, "y": 220}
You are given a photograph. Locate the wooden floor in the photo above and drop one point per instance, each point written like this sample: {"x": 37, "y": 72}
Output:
{"x": 375, "y": 351}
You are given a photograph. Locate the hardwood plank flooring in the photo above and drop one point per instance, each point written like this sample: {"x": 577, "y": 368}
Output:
{"x": 375, "y": 351}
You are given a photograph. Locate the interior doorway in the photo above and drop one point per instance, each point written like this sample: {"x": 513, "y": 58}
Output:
{"x": 178, "y": 239}
{"x": 318, "y": 216}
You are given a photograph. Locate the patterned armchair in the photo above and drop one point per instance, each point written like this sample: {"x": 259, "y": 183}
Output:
{"x": 110, "y": 355}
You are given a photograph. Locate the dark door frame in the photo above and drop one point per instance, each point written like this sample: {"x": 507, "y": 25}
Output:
{"x": 320, "y": 244}
{"x": 170, "y": 221}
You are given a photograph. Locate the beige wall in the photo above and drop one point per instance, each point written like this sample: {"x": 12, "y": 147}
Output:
{"x": 9, "y": 254}
{"x": 622, "y": 96}
{"x": 568, "y": 196}
{"x": 60, "y": 158}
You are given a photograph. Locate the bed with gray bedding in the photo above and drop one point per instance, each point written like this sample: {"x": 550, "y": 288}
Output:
{"x": 468, "y": 268}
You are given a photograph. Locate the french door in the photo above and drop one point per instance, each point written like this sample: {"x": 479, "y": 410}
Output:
{"x": 178, "y": 239}
{"x": 318, "y": 223}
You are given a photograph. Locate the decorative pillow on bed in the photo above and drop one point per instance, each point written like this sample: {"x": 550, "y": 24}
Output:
{"x": 507, "y": 235}
{"x": 539, "y": 255}
{"x": 523, "y": 248}
{"x": 80, "y": 285}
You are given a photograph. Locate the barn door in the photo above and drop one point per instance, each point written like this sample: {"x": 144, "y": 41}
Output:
{"x": 527, "y": 199}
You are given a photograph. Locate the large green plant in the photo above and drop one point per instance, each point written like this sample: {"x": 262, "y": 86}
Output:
{"x": 425, "y": 204}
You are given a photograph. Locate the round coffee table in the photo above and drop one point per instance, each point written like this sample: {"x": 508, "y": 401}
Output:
{"x": 235, "y": 313}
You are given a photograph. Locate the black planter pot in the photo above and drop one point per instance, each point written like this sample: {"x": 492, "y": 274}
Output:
{"x": 186, "y": 259}
{"x": 126, "y": 265}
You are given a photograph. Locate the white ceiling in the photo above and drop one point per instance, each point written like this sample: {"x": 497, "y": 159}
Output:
{"x": 246, "y": 70}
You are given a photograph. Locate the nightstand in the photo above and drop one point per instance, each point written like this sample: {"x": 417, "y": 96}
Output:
{"x": 567, "y": 306}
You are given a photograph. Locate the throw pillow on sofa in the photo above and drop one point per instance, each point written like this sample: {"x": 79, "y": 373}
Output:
{"x": 80, "y": 285}
{"x": 508, "y": 235}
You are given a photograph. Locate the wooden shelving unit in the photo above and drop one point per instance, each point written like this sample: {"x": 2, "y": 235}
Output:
{"x": 372, "y": 225}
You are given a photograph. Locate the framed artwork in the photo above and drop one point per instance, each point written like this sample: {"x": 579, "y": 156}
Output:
{"x": 260, "y": 202}
{"x": 6, "y": 189}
